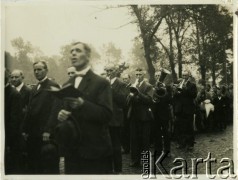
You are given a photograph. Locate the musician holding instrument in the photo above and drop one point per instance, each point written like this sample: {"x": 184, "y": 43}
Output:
{"x": 139, "y": 114}
{"x": 184, "y": 109}
{"x": 161, "y": 108}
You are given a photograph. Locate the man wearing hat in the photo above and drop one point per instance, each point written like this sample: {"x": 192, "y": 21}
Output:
{"x": 139, "y": 114}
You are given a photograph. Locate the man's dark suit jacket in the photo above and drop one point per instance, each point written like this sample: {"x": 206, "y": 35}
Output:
{"x": 184, "y": 102}
{"x": 25, "y": 96}
{"x": 220, "y": 106}
{"x": 141, "y": 103}
{"x": 162, "y": 107}
{"x": 13, "y": 115}
{"x": 42, "y": 110}
{"x": 119, "y": 93}
{"x": 94, "y": 116}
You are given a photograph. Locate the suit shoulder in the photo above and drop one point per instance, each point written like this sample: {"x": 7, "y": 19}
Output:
{"x": 53, "y": 83}
{"x": 26, "y": 88}
{"x": 121, "y": 82}
{"x": 148, "y": 84}
{"x": 14, "y": 92}
{"x": 100, "y": 79}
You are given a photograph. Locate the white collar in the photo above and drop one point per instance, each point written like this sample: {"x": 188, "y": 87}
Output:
{"x": 141, "y": 82}
{"x": 83, "y": 72}
{"x": 18, "y": 88}
{"x": 113, "y": 80}
{"x": 138, "y": 83}
{"x": 43, "y": 79}
{"x": 7, "y": 85}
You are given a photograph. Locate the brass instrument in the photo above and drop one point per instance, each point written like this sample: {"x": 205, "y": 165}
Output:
{"x": 181, "y": 85}
{"x": 160, "y": 88}
{"x": 133, "y": 89}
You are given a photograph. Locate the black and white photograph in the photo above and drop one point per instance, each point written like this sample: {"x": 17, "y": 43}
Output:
{"x": 126, "y": 90}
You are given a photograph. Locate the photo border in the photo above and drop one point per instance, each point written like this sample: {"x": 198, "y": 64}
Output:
{"x": 5, "y": 4}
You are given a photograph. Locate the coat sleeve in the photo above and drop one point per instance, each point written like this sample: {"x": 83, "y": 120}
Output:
{"x": 98, "y": 111}
{"x": 119, "y": 94}
{"x": 16, "y": 114}
{"x": 191, "y": 91}
{"x": 56, "y": 105}
{"x": 146, "y": 98}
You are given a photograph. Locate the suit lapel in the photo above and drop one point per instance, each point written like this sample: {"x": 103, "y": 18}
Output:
{"x": 115, "y": 84}
{"x": 43, "y": 86}
{"x": 84, "y": 84}
{"x": 142, "y": 87}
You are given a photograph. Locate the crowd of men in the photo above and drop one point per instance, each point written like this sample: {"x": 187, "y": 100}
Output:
{"x": 92, "y": 120}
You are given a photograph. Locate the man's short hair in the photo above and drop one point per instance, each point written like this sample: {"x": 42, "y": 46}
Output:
{"x": 85, "y": 46}
{"x": 18, "y": 70}
{"x": 126, "y": 75}
{"x": 42, "y": 62}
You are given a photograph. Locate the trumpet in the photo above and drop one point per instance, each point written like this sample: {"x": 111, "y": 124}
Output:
{"x": 178, "y": 88}
{"x": 133, "y": 89}
{"x": 181, "y": 85}
{"x": 160, "y": 89}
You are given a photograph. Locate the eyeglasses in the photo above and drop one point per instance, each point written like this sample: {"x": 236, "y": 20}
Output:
{"x": 138, "y": 74}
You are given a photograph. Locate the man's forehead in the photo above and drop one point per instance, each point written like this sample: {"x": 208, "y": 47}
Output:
{"x": 16, "y": 73}
{"x": 38, "y": 65}
{"x": 71, "y": 69}
{"x": 77, "y": 46}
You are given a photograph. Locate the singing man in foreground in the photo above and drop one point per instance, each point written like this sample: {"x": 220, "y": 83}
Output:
{"x": 92, "y": 111}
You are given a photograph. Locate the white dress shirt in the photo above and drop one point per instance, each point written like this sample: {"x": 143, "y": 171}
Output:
{"x": 41, "y": 81}
{"x": 18, "y": 88}
{"x": 80, "y": 75}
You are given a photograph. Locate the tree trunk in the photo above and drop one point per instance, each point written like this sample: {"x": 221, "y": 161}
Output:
{"x": 225, "y": 71}
{"x": 213, "y": 73}
{"x": 180, "y": 56}
{"x": 151, "y": 69}
{"x": 203, "y": 72}
{"x": 171, "y": 54}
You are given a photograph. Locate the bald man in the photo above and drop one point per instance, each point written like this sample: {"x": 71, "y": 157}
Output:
{"x": 17, "y": 81}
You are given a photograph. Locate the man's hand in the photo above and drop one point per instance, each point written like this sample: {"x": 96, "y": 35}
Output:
{"x": 74, "y": 103}
{"x": 46, "y": 136}
{"x": 63, "y": 115}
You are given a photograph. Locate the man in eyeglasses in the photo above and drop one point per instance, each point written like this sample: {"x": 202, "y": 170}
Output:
{"x": 71, "y": 71}
{"x": 139, "y": 114}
